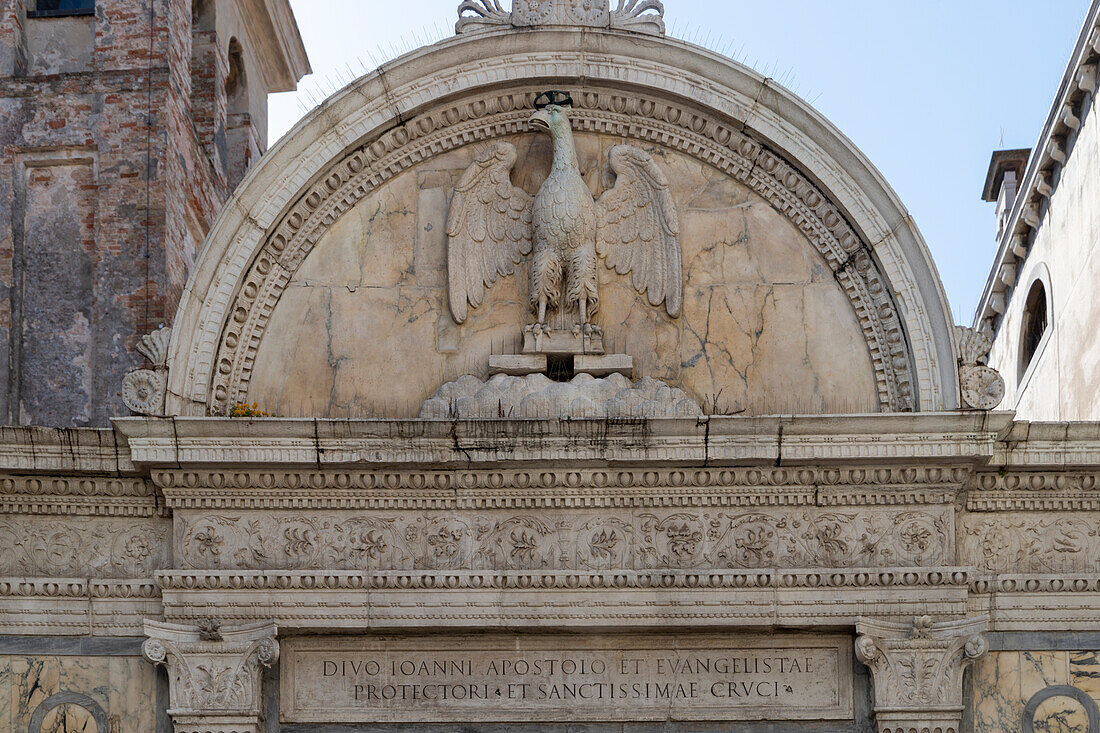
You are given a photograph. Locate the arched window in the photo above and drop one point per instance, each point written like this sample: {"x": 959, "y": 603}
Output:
{"x": 1035, "y": 324}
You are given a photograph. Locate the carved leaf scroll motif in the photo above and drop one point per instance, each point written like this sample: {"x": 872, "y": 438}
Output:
{"x": 564, "y": 540}
{"x": 99, "y": 548}
{"x": 1015, "y": 543}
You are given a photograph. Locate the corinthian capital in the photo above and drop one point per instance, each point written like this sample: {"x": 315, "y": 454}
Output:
{"x": 214, "y": 673}
{"x": 918, "y": 670}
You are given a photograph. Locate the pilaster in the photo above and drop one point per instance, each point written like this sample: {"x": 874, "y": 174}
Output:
{"x": 918, "y": 670}
{"x": 214, "y": 673}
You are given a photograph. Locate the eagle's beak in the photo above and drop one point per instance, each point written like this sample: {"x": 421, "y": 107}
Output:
{"x": 540, "y": 120}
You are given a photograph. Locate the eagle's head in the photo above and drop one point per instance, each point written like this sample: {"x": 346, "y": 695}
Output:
{"x": 553, "y": 119}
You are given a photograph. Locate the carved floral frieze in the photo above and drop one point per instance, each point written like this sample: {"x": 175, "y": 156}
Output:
{"x": 83, "y": 547}
{"x": 564, "y": 540}
{"x": 1029, "y": 542}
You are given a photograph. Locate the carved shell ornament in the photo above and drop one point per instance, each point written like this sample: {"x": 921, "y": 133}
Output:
{"x": 639, "y": 16}
{"x": 632, "y": 227}
{"x": 143, "y": 390}
{"x": 981, "y": 387}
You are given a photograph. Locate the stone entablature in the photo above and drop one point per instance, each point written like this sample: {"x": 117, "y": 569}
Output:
{"x": 415, "y": 526}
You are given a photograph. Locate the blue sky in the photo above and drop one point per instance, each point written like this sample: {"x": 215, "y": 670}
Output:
{"x": 926, "y": 89}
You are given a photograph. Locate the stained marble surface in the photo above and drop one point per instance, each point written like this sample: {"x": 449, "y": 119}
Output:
{"x": 125, "y": 687}
{"x": 364, "y": 329}
{"x": 1003, "y": 682}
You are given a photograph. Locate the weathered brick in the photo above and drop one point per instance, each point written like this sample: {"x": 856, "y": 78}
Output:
{"x": 119, "y": 156}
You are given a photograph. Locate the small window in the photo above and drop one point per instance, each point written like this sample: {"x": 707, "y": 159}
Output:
{"x": 57, "y": 8}
{"x": 1036, "y": 322}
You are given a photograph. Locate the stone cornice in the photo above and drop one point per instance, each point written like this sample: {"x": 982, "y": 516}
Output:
{"x": 273, "y": 32}
{"x": 93, "y": 496}
{"x": 77, "y": 606}
{"x": 63, "y": 450}
{"x": 1050, "y": 153}
{"x": 948, "y": 438}
{"x": 761, "y": 599}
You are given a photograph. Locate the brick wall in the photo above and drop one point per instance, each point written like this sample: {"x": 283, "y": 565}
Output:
{"x": 113, "y": 166}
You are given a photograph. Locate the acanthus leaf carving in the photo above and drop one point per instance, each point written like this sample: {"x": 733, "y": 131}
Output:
{"x": 213, "y": 677}
{"x": 87, "y": 547}
{"x": 481, "y": 15}
{"x": 643, "y": 16}
{"x": 639, "y": 16}
{"x": 917, "y": 668}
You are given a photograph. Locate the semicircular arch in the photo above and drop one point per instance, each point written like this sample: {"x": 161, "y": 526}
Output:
{"x": 653, "y": 89}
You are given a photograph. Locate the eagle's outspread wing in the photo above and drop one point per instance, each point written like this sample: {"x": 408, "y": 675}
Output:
{"x": 488, "y": 228}
{"x": 637, "y": 229}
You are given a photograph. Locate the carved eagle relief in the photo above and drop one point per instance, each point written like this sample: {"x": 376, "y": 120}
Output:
{"x": 493, "y": 225}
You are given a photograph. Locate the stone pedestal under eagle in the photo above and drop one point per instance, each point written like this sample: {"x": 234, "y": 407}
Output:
{"x": 492, "y": 225}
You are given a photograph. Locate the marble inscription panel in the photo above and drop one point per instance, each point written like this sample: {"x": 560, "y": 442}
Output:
{"x": 511, "y": 678}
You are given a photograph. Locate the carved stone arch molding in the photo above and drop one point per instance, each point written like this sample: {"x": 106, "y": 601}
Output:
{"x": 472, "y": 89}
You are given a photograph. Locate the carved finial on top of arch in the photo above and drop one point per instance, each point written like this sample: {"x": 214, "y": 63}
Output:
{"x": 640, "y": 16}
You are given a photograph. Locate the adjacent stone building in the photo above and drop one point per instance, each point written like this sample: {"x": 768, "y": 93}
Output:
{"x": 1040, "y": 298}
{"x": 557, "y": 376}
{"x": 125, "y": 126}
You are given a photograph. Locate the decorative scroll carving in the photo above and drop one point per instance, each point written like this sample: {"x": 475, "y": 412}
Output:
{"x": 214, "y": 683}
{"x": 82, "y": 547}
{"x": 640, "y": 16}
{"x": 982, "y": 387}
{"x": 481, "y": 15}
{"x": 493, "y": 224}
{"x": 1030, "y": 542}
{"x": 144, "y": 390}
{"x": 565, "y": 540}
{"x": 918, "y": 670}
{"x": 656, "y": 121}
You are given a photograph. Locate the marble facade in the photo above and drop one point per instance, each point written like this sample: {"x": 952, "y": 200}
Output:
{"x": 805, "y": 511}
